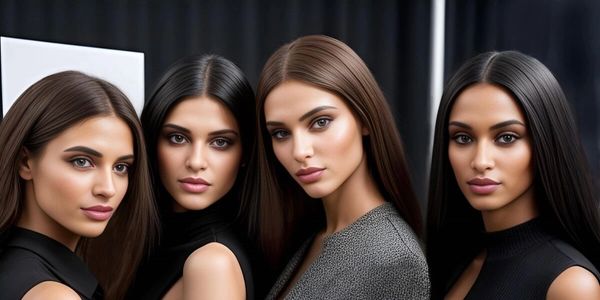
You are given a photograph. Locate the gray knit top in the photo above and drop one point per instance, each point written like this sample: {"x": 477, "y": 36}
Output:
{"x": 376, "y": 257}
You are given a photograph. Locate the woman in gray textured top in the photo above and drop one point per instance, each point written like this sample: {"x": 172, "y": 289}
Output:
{"x": 327, "y": 133}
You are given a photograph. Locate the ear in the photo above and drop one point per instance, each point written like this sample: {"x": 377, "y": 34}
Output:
{"x": 365, "y": 131}
{"x": 25, "y": 164}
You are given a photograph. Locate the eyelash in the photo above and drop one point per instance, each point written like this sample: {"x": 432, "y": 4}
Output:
{"x": 173, "y": 136}
{"x": 280, "y": 134}
{"x": 228, "y": 143}
{"x": 457, "y": 137}
{"x": 88, "y": 163}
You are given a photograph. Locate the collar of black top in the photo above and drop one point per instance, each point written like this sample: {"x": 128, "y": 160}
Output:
{"x": 67, "y": 266}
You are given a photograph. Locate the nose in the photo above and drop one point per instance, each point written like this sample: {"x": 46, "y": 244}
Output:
{"x": 483, "y": 159}
{"x": 303, "y": 148}
{"x": 196, "y": 160}
{"x": 105, "y": 184}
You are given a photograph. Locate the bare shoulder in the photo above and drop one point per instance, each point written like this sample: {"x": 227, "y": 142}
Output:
{"x": 213, "y": 272}
{"x": 51, "y": 290}
{"x": 211, "y": 258}
{"x": 574, "y": 283}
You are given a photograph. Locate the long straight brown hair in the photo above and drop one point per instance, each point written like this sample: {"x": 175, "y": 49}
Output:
{"x": 46, "y": 109}
{"x": 283, "y": 214}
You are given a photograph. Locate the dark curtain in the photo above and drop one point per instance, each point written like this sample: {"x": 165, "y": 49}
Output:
{"x": 391, "y": 36}
{"x": 562, "y": 34}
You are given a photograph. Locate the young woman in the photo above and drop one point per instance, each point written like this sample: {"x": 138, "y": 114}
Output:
{"x": 73, "y": 168}
{"x": 512, "y": 213}
{"x": 200, "y": 131}
{"x": 326, "y": 133}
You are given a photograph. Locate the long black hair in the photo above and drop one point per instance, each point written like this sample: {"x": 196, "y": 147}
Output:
{"x": 199, "y": 75}
{"x": 562, "y": 182}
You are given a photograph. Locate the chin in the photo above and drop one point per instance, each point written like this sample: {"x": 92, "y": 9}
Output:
{"x": 92, "y": 231}
{"x": 196, "y": 204}
{"x": 316, "y": 193}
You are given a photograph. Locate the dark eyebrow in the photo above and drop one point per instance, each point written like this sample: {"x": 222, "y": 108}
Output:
{"x": 225, "y": 131}
{"x": 95, "y": 153}
{"x": 83, "y": 149}
{"x": 314, "y": 111}
{"x": 493, "y": 127}
{"x": 169, "y": 125}
{"x": 459, "y": 124}
{"x": 507, "y": 123}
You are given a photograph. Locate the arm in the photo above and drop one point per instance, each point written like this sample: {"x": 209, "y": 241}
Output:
{"x": 213, "y": 272}
{"x": 49, "y": 290}
{"x": 574, "y": 283}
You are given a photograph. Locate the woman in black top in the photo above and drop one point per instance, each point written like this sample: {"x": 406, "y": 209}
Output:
{"x": 73, "y": 168}
{"x": 199, "y": 124}
{"x": 512, "y": 213}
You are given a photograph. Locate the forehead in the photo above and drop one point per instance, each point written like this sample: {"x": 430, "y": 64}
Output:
{"x": 291, "y": 99}
{"x": 201, "y": 111}
{"x": 485, "y": 103}
{"x": 105, "y": 133}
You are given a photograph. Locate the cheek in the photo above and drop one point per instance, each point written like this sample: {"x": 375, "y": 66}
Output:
{"x": 227, "y": 165}
{"x": 458, "y": 160}
{"x": 342, "y": 140}
{"x": 282, "y": 152}
{"x": 169, "y": 160}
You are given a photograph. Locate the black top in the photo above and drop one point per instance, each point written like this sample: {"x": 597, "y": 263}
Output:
{"x": 28, "y": 258}
{"x": 522, "y": 262}
{"x": 182, "y": 234}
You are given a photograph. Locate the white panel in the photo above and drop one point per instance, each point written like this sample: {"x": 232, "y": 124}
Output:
{"x": 24, "y": 62}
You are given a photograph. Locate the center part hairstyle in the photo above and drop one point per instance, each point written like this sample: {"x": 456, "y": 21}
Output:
{"x": 562, "y": 183}
{"x": 46, "y": 109}
{"x": 207, "y": 75}
{"x": 284, "y": 214}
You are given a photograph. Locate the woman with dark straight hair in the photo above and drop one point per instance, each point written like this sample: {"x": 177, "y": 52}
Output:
{"x": 326, "y": 132}
{"x": 200, "y": 130}
{"x": 512, "y": 213}
{"x": 74, "y": 180}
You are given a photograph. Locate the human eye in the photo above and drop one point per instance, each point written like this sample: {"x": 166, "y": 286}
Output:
{"x": 507, "y": 138}
{"x": 177, "y": 138}
{"x": 221, "y": 143}
{"x": 81, "y": 163}
{"x": 279, "y": 134}
{"x": 462, "y": 139}
{"x": 121, "y": 168}
{"x": 321, "y": 123}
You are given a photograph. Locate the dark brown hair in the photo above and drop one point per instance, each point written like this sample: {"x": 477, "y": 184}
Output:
{"x": 47, "y": 108}
{"x": 283, "y": 213}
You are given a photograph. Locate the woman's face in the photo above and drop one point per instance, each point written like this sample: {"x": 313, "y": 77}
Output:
{"x": 77, "y": 181}
{"x": 490, "y": 148}
{"x": 199, "y": 152}
{"x": 315, "y": 136}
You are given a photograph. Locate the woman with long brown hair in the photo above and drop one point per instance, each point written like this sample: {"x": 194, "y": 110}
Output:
{"x": 326, "y": 132}
{"x": 74, "y": 181}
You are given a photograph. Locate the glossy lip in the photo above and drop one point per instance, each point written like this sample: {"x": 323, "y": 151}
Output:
{"x": 194, "y": 185}
{"x": 98, "y": 212}
{"x": 483, "y": 186}
{"x": 309, "y": 175}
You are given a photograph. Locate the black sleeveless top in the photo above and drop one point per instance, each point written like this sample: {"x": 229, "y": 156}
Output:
{"x": 182, "y": 234}
{"x": 28, "y": 258}
{"x": 522, "y": 262}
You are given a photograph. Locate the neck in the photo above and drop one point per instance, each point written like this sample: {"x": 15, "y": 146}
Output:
{"x": 34, "y": 219}
{"x": 354, "y": 198}
{"x": 519, "y": 211}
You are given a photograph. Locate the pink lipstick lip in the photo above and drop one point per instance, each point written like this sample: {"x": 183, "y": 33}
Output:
{"x": 193, "y": 180}
{"x": 483, "y": 186}
{"x": 482, "y": 181}
{"x": 194, "y": 185}
{"x": 309, "y": 175}
{"x": 98, "y": 212}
